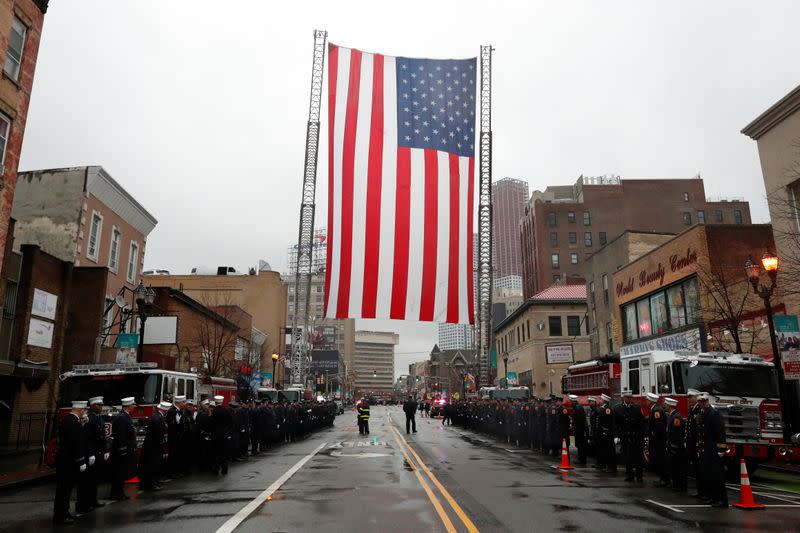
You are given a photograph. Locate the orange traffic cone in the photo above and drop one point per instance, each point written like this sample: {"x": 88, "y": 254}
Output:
{"x": 134, "y": 479}
{"x": 565, "y": 457}
{"x": 746, "y": 500}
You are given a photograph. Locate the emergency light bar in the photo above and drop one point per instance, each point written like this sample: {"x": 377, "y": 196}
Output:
{"x": 125, "y": 367}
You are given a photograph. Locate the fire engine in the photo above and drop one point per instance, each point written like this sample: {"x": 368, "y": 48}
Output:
{"x": 147, "y": 383}
{"x": 743, "y": 387}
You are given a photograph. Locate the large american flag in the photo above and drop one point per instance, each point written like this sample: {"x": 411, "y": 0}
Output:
{"x": 400, "y": 187}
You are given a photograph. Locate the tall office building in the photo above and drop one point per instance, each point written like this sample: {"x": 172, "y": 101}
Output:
{"x": 564, "y": 225}
{"x": 373, "y": 361}
{"x": 456, "y": 337}
{"x": 509, "y": 198}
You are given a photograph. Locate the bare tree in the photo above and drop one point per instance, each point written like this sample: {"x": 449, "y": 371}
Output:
{"x": 217, "y": 335}
{"x": 784, "y": 205}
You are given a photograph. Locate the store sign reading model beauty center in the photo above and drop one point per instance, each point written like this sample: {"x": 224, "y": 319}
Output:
{"x": 677, "y": 262}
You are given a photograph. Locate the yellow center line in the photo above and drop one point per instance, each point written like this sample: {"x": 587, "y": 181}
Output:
{"x": 457, "y": 508}
{"x": 448, "y": 524}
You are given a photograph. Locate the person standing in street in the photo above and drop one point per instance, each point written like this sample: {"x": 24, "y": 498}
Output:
{"x": 606, "y": 450}
{"x": 96, "y": 454}
{"x": 70, "y": 461}
{"x": 579, "y": 428}
{"x": 177, "y": 427}
{"x": 153, "y": 448}
{"x": 657, "y": 439}
{"x": 123, "y": 449}
{"x": 711, "y": 447}
{"x": 363, "y": 417}
{"x": 222, "y": 429}
{"x": 410, "y": 409}
{"x": 630, "y": 424}
{"x": 676, "y": 445}
{"x": 691, "y": 441}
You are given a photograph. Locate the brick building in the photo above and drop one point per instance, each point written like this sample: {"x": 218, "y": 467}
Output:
{"x": 53, "y": 324}
{"x": 509, "y": 197}
{"x": 600, "y": 268}
{"x": 83, "y": 216}
{"x": 20, "y": 32}
{"x": 543, "y": 337}
{"x": 563, "y": 226}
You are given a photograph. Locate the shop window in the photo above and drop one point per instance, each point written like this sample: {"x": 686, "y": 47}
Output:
{"x": 677, "y": 310}
{"x": 629, "y": 315}
{"x": 554, "y": 325}
{"x": 658, "y": 313}
{"x": 573, "y": 237}
{"x": 692, "y": 297}
{"x": 573, "y": 325}
{"x": 643, "y": 315}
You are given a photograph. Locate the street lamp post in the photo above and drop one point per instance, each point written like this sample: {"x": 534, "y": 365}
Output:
{"x": 769, "y": 262}
{"x": 275, "y": 358}
{"x": 145, "y": 296}
{"x": 505, "y": 364}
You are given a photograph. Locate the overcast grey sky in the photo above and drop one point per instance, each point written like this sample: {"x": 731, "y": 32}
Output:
{"x": 199, "y": 108}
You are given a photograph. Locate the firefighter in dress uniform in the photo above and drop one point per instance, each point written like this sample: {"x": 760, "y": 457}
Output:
{"x": 579, "y": 428}
{"x": 97, "y": 455}
{"x": 630, "y": 427}
{"x": 123, "y": 449}
{"x": 656, "y": 439}
{"x": 153, "y": 448}
{"x": 711, "y": 447}
{"x": 70, "y": 461}
{"x": 606, "y": 450}
{"x": 676, "y": 445}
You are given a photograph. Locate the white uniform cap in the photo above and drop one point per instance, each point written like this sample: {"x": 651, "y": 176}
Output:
{"x": 591, "y": 399}
{"x": 78, "y": 405}
{"x": 127, "y": 401}
{"x": 703, "y": 396}
{"x": 164, "y": 405}
{"x": 627, "y": 393}
{"x": 179, "y": 399}
{"x": 96, "y": 399}
{"x": 692, "y": 392}
{"x": 218, "y": 400}
{"x": 653, "y": 397}
{"x": 605, "y": 397}
{"x": 205, "y": 402}
{"x": 573, "y": 398}
{"x": 190, "y": 402}
{"x": 672, "y": 402}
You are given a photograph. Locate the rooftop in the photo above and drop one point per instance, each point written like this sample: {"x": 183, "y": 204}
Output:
{"x": 773, "y": 116}
{"x": 561, "y": 292}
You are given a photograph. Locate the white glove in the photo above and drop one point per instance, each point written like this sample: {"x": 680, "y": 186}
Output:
{"x": 106, "y": 456}
{"x": 91, "y": 460}
{"x": 83, "y": 468}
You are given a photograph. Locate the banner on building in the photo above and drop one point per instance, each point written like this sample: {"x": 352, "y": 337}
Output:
{"x": 127, "y": 345}
{"x": 559, "y": 354}
{"x": 400, "y": 187}
{"x": 788, "y": 336}
{"x": 684, "y": 340}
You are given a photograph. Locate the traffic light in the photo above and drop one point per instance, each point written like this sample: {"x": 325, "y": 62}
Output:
{"x": 374, "y": 373}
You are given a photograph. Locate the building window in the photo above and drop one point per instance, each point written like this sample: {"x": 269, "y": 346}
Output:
{"x": 718, "y": 216}
{"x": 686, "y": 197}
{"x": 554, "y": 260}
{"x": 554, "y": 324}
{"x": 602, "y": 237}
{"x": 793, "y": 189}
{"x": 629, "y": 316}
{"x": 551, "y": 219}
{"x": 95, "y": 232}
{"x": 658, "y": 313}
{"x": 16, "y": 44}
{"x": 5, "y": 129}
{"x": 553, "y": 238}
{"x": 737, "y": 216}
{"x": 113, "y": 252}
{"x": 675, "y": 304}
{"x": 571, "y": 216}
{"x": 556, "y": 278}
{"x": 605, "y": 288}
{"x": 587, "y": 219}
{"x": 609, "y": 337}
{"x": 133, "y": 262}
{"x": 643, "y": 314}
{"x": 687, "y": 218}
{"x": 591, "y": 291}
{"x": 587, "y": 238}
{"x": 573, "y": 325}
{"x": 669, "y": 309}
{"x": 573, "y": 237}
{"x": 573, "y": 259}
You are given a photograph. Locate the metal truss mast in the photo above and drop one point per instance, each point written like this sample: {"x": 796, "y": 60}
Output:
{"x": 301, "y": 342}
{"x": 483, "y": 330}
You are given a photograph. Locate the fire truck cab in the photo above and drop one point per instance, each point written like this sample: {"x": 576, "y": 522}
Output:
{"x": 743, "y": 387}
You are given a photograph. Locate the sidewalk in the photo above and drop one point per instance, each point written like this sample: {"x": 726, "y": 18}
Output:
{"x": 19, "y": 467}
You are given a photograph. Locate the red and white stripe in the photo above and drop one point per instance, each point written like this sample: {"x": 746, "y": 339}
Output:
{"x": 399, "y": 219}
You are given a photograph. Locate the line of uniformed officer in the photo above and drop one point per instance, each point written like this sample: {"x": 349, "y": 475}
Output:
{"x": 178, "y": 436}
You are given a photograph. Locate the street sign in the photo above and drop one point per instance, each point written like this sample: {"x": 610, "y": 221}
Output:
{"x": 791, "y": 364}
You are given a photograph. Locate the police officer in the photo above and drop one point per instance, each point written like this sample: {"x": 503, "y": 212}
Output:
{"x": 96, "y": 454}
{"x": 410, "y": 408}
{"x": 579, "y": 428}
{"x": 711, "y": 447}
{"x": 70, "y": 461}
{"x": 363, "y": 417}
{"x": 629, "y": 421}
{"x": 657, "y": 439}
{"x": 153, "y": 448}
{"x": 123, "y": 449}
{"x": 676, "y": 445}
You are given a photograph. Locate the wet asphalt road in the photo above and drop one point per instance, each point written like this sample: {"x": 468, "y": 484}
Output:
{"x": 439, "y": 479}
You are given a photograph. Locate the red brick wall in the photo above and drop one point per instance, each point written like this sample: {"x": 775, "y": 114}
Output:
{"x": 14, "y": 99}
